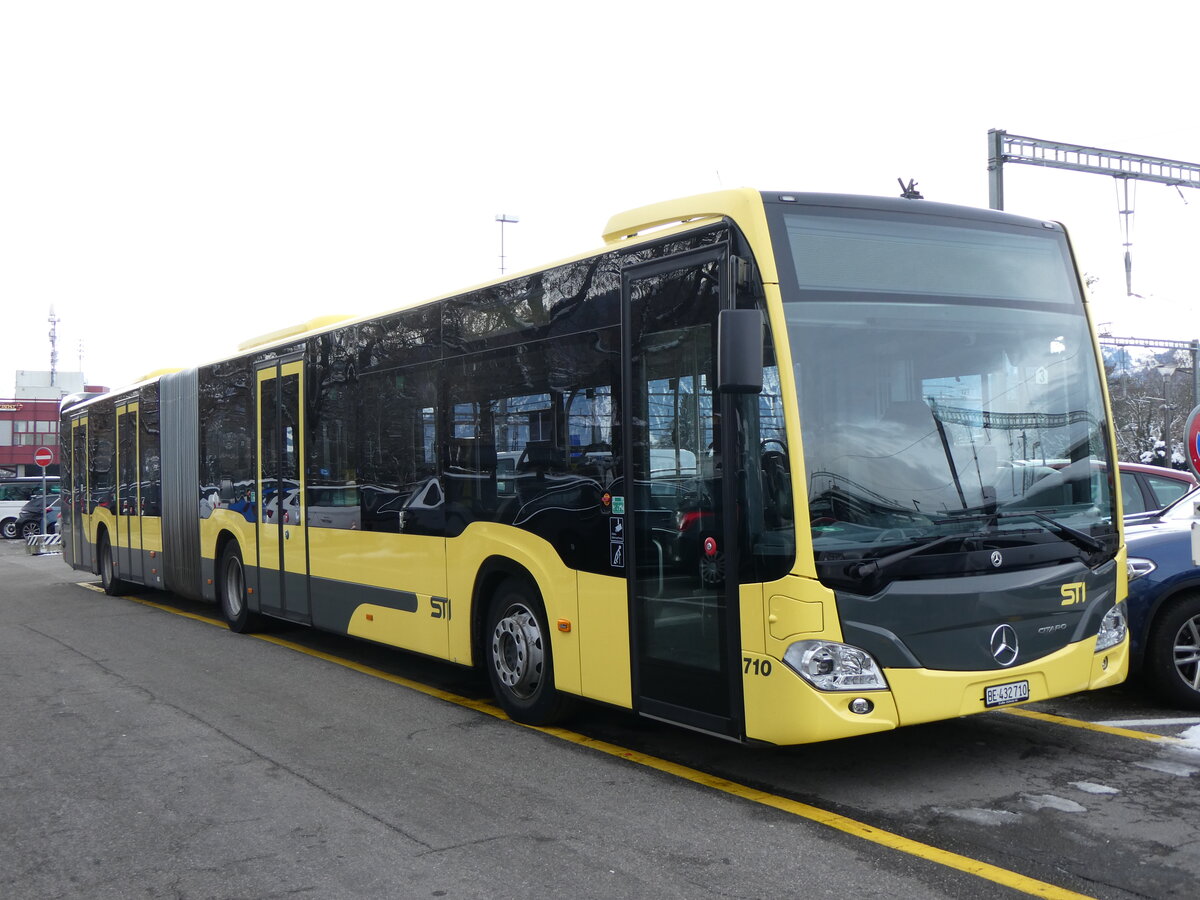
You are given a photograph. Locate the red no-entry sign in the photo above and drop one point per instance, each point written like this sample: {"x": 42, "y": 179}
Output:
{"x": 43, "y": 457}
{"x": 1193, "y": 440}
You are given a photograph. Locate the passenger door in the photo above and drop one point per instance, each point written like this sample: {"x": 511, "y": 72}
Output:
{"x": 80, "y": 550}
{"x": 127, "y": 507}
{"x": 282, "y": 537}
{"x": 678, "y": 523}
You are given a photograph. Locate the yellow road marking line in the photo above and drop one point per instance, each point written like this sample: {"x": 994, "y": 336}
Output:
{"x": 1093, "y": 726}
{"x": 841, "y": 823}
{"x": 980, "y": 869}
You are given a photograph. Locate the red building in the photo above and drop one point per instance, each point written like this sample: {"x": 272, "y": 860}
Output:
{"x": 26, "y": 425}
{"x": 30, "y": 420}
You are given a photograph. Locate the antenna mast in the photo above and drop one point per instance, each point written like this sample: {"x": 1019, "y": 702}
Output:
{"x": 53, "y": 320}
{"x": 504, "y": 219}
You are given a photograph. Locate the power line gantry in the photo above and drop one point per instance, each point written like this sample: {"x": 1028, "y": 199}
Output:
{"x": 1125, "y": 167}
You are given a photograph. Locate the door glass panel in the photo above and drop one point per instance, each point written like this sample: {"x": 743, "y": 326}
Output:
{"x": 129, "y": 523}
{"x": 289, "y": 448}
{"x": 80, "y": 549}
{"x": 678, "y": 532}
{"x": 270, "y": 487}
{"x": 150, "y": 474}
{"x": 127, "y": 463}
{"x": 283, "y": 557}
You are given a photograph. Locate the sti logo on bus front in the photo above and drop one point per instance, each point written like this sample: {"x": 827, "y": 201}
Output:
{"x": 1075, "y": 592}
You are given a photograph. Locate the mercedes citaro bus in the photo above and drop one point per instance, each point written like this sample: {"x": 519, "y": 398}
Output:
{"x": 769, "y": 466}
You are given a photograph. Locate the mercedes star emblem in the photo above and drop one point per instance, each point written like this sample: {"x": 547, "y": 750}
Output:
{"x": 1004, "y": 645}
{"x": 997, "y": 559}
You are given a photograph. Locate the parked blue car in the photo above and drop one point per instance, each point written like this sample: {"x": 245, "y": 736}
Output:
{"x": 1164, "y": 602}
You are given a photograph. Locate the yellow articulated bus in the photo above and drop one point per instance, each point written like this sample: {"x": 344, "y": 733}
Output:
{"x": 775, "y": 467}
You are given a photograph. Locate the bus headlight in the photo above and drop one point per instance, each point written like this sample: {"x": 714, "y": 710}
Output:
{"x": 830, "y": 666}
{"x": 1112, "y": 629}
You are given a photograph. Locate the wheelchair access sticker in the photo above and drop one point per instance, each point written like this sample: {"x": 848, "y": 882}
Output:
{"x": 616, "y": 542}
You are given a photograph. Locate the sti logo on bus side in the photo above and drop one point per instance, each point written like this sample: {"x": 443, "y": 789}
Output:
{"x": 1075, "y": 592}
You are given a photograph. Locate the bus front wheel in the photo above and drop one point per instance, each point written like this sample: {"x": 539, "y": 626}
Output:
{"x": 518, "y": 657}
{"x": 231, "y": 577}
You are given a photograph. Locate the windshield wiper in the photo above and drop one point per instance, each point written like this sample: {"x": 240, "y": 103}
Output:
{"x": 1080, "y": 539}
{"x": 874, "y": 566}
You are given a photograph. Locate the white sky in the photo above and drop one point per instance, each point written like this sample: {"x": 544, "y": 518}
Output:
{"x": 178, "y": 177}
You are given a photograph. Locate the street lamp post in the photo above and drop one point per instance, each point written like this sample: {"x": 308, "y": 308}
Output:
{"x": 1166, "y": 372}
{"x": 504, "y": 219}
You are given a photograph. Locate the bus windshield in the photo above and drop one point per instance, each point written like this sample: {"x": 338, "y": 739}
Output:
{"x": 948, "y": 386}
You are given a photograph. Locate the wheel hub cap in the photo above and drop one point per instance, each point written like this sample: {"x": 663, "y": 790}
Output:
{"x": 233, "y": 589}
{"x": 517, "y": 652}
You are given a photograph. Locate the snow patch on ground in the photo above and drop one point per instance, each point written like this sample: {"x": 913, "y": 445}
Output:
{"x": 984, "y": 816}
{"x": 1191, "y": 737}
{"x": 1168, "y": 768}
{"x": 1049, "y": 801}
{"x": 1089, "y": 787}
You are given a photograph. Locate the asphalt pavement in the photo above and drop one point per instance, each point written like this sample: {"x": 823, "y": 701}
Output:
{"x": 144, "y": 754}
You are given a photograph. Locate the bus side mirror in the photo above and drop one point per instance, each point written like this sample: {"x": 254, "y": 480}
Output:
{"x": 226, "y": 491}
{"x": 740, "y": 351}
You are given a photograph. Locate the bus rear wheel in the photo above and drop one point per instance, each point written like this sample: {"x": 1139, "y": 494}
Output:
{"x": 518, "y": 657}
{"x": 108, "y": 568}
{"x": 231, "y": 581}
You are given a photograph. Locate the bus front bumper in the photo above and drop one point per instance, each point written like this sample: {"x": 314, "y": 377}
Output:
{"x": 782, "y": 708}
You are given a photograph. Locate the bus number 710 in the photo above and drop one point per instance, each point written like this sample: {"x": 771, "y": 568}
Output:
{"x": 756, "y": 666}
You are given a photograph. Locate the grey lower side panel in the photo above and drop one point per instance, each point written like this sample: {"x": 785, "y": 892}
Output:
{"x": 208, "y": 580}
{"x": 329, "y": 603}
{"x": 145, "y": 575}
{"x": 334, "y": 602}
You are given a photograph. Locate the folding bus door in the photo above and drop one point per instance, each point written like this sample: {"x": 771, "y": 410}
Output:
{"x": 127, "y": 538}
{"x": 282, "y": 537}
{"x": 679, "y": 524}
{"x": 80, "y": 550}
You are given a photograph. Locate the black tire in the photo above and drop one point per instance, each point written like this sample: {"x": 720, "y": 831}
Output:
{"x": 30, "y": 528}
{"x": 8, "y": 529}
{"x": 106, "y": 557}
{"x": 518, "y": 658}
{"x": 1173, "y": 651}
{"x": 231, "y": 593}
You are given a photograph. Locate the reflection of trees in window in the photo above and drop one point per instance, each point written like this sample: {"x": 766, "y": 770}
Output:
{"x": 576, "y": 297}
{"x": 401, "y": 339}
{"x": 557, "y": 394}
{"x": 151, "y": 474}
{"x": 332, "y": 415}
{"x": 227, "y": 423}
{"x": 101, "y": 452}
{"x": 396, "y": 436}
{"x": 127, "y": 463}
